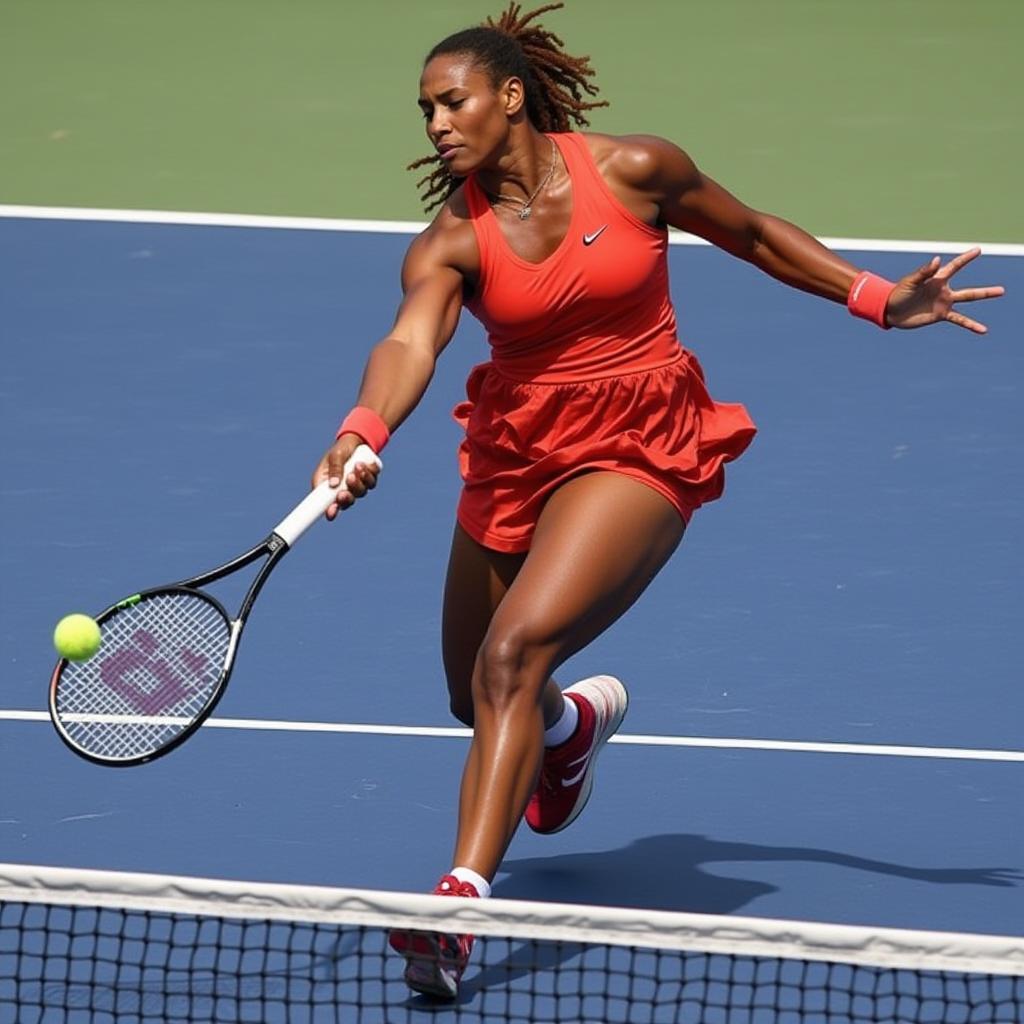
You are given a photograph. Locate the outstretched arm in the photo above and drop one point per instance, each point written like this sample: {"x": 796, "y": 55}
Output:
{"x": 402, "y": 364}
{"x": 689, "y": 200}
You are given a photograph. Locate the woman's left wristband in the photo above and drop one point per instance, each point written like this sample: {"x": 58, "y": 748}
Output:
{"x": 869, "y": 296}
{"x": 368, "y": 425}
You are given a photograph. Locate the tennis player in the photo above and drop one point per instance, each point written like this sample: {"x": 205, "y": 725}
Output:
{"x": 590, "y": 437}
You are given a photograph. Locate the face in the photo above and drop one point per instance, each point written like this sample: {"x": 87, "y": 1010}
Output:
{"x": 467, "y": 119}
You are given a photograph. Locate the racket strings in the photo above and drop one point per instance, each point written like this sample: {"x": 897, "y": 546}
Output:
{"x": 158, "y": 667}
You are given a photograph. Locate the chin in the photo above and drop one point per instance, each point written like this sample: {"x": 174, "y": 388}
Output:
{"x": 462, "y": 166}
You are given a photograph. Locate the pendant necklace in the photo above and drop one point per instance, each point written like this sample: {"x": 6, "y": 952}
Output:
{"x": 527, "y": 204}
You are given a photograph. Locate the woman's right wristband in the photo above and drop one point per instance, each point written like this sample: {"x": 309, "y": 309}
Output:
{"x": 368, "y": 425}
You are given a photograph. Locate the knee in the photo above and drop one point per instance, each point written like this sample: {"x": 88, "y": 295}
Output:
{"x": 511, "y": 666}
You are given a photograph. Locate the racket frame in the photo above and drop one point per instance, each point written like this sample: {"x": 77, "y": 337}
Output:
{"x": 273, "y": 548}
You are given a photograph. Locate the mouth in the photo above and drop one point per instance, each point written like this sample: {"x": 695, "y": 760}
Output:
{"x": 446, "y": 150}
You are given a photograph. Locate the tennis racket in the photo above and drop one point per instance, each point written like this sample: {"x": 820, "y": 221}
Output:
{"x": 167, "y": 653}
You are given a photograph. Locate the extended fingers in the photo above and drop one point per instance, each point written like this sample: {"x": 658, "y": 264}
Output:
{"x": 958, "y": 262}
{"x": 974, "y": 294}
{"x": 971, "y": 295}
{"x": 966, "y": 322}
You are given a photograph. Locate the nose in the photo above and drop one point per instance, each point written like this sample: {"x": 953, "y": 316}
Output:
{"x": 438, "y": 126}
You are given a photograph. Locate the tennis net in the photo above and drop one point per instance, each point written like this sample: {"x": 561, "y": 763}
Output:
{"x": 95, "y": 946}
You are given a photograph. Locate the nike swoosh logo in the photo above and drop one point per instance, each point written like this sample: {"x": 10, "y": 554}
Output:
{"x": 594, "y": 236}
{"x": 566, "y": 783}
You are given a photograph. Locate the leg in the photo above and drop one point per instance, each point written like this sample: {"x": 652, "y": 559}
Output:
{"x": 601, "y": 539}
{"x": 477, "y": 581}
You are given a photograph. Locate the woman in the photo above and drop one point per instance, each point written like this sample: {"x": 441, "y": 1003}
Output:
{"x": 590, "y": 437}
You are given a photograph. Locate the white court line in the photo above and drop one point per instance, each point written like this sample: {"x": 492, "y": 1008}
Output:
{"x": 407, "y": 227}
{"x": 218, "y": 220}
{"x": 717, "y": 742}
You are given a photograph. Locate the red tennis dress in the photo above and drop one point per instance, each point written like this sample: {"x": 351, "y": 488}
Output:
{"x": 586, "y": 369}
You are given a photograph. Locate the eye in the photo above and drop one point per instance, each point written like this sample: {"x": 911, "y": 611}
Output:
{"x": 455, "y": 104}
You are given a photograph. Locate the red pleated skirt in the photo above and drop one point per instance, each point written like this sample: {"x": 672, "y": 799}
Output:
{"x": 523, "y": 440}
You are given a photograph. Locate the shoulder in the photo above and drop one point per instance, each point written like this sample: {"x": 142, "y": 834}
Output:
{"x": 448, "y": 241}
{"x": 648, "y": 163}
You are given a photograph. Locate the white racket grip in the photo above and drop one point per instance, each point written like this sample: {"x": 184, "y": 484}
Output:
{"x": 316, "y": 503}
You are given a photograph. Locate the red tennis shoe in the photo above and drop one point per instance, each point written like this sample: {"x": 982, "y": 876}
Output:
{"x": 435, "y": 960}
{"x": 567, "y": 774}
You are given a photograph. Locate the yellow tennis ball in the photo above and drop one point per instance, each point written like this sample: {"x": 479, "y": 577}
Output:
{"x": 77, "y": 637}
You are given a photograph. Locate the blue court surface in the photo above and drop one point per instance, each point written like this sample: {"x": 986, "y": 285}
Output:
{"x": 167, "y": 390}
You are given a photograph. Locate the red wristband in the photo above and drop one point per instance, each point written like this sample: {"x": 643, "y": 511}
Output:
{"x": 868, "y": 297}
{"x": 368, "y": 425}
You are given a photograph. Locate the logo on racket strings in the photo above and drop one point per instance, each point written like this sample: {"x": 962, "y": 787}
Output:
{"x": 148, "y": 682}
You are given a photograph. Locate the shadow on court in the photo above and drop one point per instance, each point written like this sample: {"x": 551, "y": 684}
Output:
{"x": 665, "y": 872}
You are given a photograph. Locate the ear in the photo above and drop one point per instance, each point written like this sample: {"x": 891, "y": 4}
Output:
{"x": 513, "y": 95}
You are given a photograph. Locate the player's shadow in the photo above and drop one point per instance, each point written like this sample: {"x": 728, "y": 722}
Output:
{"x": 665, "y": 872}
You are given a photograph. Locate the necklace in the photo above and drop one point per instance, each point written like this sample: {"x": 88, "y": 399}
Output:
{"x": 526, "y": 206}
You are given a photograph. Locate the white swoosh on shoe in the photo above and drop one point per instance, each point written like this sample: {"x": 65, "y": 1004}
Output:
{"x": 566, "y": 783}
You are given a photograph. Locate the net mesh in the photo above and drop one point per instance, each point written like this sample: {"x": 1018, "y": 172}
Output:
{"x": 157, "y": 668}
{"x": 172, "y": 949}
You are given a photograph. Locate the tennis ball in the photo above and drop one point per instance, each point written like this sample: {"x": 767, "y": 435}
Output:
{"x": 77, "y": 637}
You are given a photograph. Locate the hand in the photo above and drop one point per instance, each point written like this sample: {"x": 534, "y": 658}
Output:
{"x": 363, "y": 477}
{"x": 1005, "y": 878}
{"x": 925, "y": 296}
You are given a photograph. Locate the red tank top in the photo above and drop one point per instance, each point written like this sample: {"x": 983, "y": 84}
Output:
{"x": 598, "y": 306}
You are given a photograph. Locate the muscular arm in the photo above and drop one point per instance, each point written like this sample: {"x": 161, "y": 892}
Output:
{"x": 689, "y": 200}
{"x": 661, "y": 183}
{"x": 401, "y": 365}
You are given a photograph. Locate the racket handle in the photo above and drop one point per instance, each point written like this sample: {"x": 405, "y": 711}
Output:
{"x": 316, "y": 503}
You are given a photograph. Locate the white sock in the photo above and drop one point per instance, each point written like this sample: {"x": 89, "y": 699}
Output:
{"x": 565, "y": 726}
{"x": 482, "y": 886}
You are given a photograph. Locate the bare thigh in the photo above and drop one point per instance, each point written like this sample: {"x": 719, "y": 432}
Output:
{"x": 600, "y": 540}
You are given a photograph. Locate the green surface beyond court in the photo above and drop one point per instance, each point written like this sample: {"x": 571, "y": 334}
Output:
{"x": 885, "y": 118}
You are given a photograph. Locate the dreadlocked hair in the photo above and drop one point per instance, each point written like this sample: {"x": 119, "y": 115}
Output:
{"x": 556, "y": 84}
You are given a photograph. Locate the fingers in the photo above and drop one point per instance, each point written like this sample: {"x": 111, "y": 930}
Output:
{"x": 957, "y": 263}
{"x": 966, "y": 322}
{"x": 930, "y": 297}
{"x": 923, "y": 272}
{"x": 348, "y": 487}
{"x": 357, "y": 484}
{"x": 363, "y": 478}
{"x": 968, "y": 294}
{"x": 974, "y": 294}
